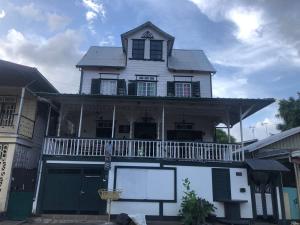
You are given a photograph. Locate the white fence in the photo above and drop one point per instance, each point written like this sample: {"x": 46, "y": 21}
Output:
{"x": 143, "y": 149}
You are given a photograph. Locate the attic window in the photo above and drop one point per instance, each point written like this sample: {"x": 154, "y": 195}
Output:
{"x": 156, "y": 50}
{"x": 138, "y": 47}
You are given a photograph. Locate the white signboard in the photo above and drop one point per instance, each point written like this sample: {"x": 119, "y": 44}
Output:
{"x": 146, "y": 183}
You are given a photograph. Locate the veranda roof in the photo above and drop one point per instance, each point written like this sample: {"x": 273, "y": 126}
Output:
{"x": 223, "y": 109}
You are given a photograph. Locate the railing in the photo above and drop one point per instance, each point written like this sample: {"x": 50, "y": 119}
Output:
{"x": 7, "y": 119}
{"x": 195, "y": 151}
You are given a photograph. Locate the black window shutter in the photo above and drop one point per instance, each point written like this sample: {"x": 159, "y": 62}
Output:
{"x": 196, "y": 89}
{"x": 221, "y": 184}
{"x": 132, "y": 88}
{"x": 121, "y": 87}
{"x": 95, "y": 86}
{"x": 170, "y": 88}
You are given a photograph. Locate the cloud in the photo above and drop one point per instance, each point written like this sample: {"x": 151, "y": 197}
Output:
{"x": 55, "y": 57}
{"x": 108, "y": 40}
{"x": 95, "y": 10}
{"x": 2, "y": 14}
{"x": 30, "y": 11}
{"x": 57, "y": 22}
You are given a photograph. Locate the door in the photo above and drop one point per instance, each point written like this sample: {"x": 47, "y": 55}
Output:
{"x": 90, "y": 202}
{"x": 291, "y": 203}
{"x": 73, "y": 190}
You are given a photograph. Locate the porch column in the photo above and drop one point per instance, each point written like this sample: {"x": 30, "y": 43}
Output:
{"x": 158, "y": 129}
{"x": 80, "y": 121}
{"x": 228, "y": 128}
{"x": 163, "y": 124}
{"x": 131, "y": 129}
{"x": 241, "y": 127}
{"x": 48, "y": 120}
{"x": 59, "y": 121}
{"x": 113, "y": 122}
{"x": 20, "y": 108}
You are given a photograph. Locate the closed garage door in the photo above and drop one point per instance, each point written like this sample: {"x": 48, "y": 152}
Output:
{"x": 73, "y": 190}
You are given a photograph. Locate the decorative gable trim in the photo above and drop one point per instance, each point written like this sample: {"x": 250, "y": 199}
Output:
{"x": 147, "y": 35}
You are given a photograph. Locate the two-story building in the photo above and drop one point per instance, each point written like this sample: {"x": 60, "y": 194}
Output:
{"x": 22, "y": 122}
{"x": 151, "y": 107}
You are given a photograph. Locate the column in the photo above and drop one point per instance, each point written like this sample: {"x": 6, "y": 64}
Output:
{"x": 241, "y": 127}
{"x": 20, "y": 109}
{"x": 113, "y": 122}
{"x": 80, "y": 121}
{"x": 48, "y": 120}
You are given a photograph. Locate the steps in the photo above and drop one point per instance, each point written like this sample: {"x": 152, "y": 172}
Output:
{"x": 68, "y": 219}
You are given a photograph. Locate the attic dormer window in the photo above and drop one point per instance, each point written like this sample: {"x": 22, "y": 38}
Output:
{"x": 156, "y": 49}
{"x": 138, "y": 48}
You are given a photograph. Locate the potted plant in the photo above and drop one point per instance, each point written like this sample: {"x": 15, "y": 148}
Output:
{"x": 194, "y": 210}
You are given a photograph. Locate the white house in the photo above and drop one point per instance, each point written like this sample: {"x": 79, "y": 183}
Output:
{"x": 153, "y": 105}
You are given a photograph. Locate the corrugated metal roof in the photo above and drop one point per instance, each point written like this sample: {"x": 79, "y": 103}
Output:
{"x": 103, "y": 56}
{"x": 272, "y": 139}
{"x": 114, "y": 57}
{"x": 17, "y": 75}
{"x": 266, "y": 165}
{"x": 190, "y": 60}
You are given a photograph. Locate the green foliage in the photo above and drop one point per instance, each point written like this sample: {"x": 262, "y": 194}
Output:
{"x": 289, "y": 112}
{"x": 222, "y": 137}
{"x": 194, "y": 210}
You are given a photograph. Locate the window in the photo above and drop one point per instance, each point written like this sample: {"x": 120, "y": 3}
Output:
{"x": 156, "y": 50}
{"x": 108, "y": 87}
{"x": 138, "y": 46}
{"x": 183, "y": 89}
{"x": 146, "y": 88}
{"x": 7, "y": 110}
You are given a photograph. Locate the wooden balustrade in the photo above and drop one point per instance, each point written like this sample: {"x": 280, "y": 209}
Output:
{"x": 195, "y": 151}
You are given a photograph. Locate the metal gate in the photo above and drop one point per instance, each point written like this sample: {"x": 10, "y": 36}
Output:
{"x": 73, "y": 190}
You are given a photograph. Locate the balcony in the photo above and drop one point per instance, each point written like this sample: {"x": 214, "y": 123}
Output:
{"x": 152, "y": 149}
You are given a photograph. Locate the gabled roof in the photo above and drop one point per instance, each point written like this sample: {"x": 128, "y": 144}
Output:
{"x": 16, "y": 75}
{"x": 145, "y": 25}
{"x": 272, "y": 139}
{"x": 195, "y": 60}
{"x": 266, "y": 165}
{"x": 98, "y": 56}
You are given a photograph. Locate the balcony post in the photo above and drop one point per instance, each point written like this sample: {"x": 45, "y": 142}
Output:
{"x": 48, "y": 120}
{"x": 241, "y": 127}
{"x": 80, "y": 121}
{"x": 113, "y": 122}
{"x": 163, "y": 131}
{"x": 20, "y": 109}
{"x": 228, "y": 128}
{"x": 59, "y": 121}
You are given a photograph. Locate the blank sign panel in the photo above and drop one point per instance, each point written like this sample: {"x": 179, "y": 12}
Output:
{"x": 146, "y": 183}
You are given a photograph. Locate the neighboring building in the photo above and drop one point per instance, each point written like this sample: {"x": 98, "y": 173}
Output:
{"x": 284, "y": 147}
{"x": 152, "y": 107}
{"x": 22, "y": 124}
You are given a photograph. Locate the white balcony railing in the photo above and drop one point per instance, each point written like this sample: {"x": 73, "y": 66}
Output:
{"x": 195, "y": 151}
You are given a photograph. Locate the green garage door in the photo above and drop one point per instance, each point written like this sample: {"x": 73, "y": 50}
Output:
{"x": 73, "y": 190}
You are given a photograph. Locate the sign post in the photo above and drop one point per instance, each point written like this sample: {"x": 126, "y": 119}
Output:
{"x": 109, "y": 196}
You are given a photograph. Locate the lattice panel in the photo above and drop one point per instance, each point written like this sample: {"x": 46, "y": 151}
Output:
{"x": 3, "y": 163}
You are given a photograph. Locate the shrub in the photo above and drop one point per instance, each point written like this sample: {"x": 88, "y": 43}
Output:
{"x": 194, "y": 210}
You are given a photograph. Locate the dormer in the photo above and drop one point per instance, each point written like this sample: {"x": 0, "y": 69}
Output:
{"x": 147, "y": 42}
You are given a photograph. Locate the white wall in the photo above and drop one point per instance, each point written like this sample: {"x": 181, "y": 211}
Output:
{"x": 201, "y": 182}
{"x": 141, "y": 67}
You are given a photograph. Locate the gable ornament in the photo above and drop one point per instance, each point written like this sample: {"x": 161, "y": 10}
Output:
{"x": 147, "y": 35}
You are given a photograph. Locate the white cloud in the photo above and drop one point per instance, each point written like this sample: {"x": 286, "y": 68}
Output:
{"x": 95, "y": 10}
{"x": 109, "y": 40}
{"x": 2, "y": 14}
{"x": 90, "y": 15}
{"x": 55, "y": 57}
{"x": 30, "y": 11}
{"x": 57, "y": 22}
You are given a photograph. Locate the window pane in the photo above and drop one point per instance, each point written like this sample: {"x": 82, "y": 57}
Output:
{"x": 108, "y": 87}
{"x": 182, "y": 89}
{"x": 138, "y": 49}
{"x": 156, "y": 50}
{"x": 146, "y": 88}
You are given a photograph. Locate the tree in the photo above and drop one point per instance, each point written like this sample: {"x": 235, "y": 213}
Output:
{"x": 222, "y": 137}
{"x": 289, "y": 112}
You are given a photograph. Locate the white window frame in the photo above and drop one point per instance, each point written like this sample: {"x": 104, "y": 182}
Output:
{"x": 104, "y": 90}
{"x": 145, "y": 90}
{"x": 182, "y": 93}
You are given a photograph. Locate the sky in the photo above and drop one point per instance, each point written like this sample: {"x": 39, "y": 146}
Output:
{"x": 253, "y": 44}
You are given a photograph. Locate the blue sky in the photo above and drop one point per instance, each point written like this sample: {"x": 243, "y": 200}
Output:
{"x": 253, "y": 44}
